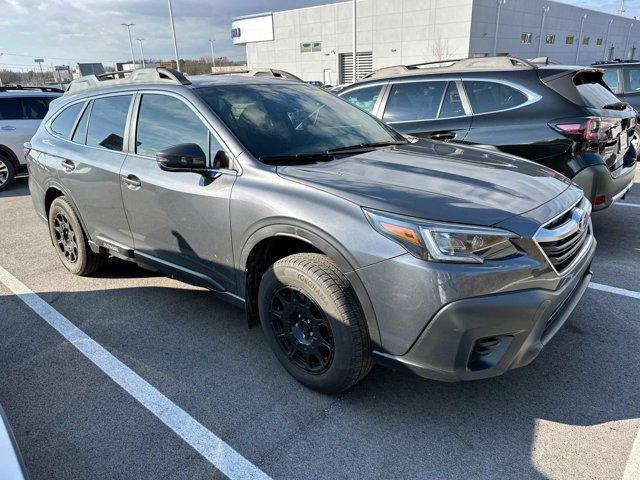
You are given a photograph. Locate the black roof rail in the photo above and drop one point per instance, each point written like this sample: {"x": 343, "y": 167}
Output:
{"x": 7, "y": 88}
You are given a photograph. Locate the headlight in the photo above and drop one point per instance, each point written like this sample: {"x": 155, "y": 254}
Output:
{"x": 441, "y": 242}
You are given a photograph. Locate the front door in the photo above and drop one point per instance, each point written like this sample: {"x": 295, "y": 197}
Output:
{"x": 179, "y": 220}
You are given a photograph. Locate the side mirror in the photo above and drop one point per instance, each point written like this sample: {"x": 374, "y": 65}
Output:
{"x": 186, "y": 157}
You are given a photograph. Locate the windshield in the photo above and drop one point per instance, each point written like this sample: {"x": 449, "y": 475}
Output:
{"x": 288, "y": 120}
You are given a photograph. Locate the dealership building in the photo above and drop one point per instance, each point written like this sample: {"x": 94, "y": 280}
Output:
{"x": 316, "y": 43}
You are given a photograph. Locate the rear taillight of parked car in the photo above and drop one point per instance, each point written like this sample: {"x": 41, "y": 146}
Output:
{"x": 590, "y": 129}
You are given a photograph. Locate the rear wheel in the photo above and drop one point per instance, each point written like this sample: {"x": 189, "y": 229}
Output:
{"x": 70, "y": 242}
{"x": 313, "y": 322}
{"x": 7, "y": 173}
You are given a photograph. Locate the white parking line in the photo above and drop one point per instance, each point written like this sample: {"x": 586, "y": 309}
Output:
{"x": 624, "y": 204}
{"x": 616, "y": 290}
{"x": 211, "y": 447}
{"x": 632, "y": 470}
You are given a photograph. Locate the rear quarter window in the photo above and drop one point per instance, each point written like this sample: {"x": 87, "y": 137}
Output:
{"x": 488, "y": 97}
{"x": 64, "y": 122}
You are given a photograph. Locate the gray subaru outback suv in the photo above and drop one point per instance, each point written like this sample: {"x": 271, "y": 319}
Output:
{"x": 347, "y": 242}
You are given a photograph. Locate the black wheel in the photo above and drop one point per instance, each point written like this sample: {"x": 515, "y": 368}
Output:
{"x": 313, "y": 322}
{"x": 7, "y": 173}
{"x": 69, "y": 240}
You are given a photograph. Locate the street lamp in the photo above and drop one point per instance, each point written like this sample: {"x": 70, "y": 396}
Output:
{"x": 545, "y": 9}
{"x": 213, "y": 59}
{"x": 173, "y": 33}
{"x": 140, "y": 40}
{"x": 584, "y": 17}
{"x": 133, "y": 58}
{"x": 606, "y": 41}
{"x": 495, "y": 38}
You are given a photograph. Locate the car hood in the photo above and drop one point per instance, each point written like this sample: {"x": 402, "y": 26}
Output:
{"x": 436, "y": 181}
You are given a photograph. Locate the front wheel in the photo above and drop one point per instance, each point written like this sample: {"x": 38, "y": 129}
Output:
{"x": 7, "y": 173}
{"x": 313, "y": 322}
{"x": 70, "y": 242}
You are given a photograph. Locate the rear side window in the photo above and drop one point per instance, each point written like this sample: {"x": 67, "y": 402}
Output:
{"x": 24, "y": 108}
{"x": 107, "y": 122}
{"x": 364, "y": 98}
{"x": 64, "y": 122}
{"x": 631, "y": 80}
{"x": 414, "y": 101}
{"x": 452, "y": 104}
{"x": 492, "y": 97}
{"x": 165, "y": 121}
{"x": 610, "y": 77}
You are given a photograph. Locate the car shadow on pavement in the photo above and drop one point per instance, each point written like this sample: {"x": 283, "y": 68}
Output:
{"x": 198, "y": 351}
{"x": 20, "y": 188}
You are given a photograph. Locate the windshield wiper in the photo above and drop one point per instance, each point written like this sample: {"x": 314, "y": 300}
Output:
{"x": 616, "y": 106}
{"x": 365, "y": 146}
{"x": 297, "y": 158}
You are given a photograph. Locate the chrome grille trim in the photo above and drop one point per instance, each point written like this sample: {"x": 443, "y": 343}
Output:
{"x": 565, "y": 244}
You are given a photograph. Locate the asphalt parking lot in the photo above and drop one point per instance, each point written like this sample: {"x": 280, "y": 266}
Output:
{"x": 572, "y": 414}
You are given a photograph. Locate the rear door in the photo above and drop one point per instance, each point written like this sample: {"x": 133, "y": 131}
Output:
{"x": 89, "y": 164}
{"x": 20, "y": 117}
{"x": 431, "y": 109}
{"x": 179, "y": 220}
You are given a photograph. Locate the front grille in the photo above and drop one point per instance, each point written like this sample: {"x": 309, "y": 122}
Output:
{"x": 563, "y": 238}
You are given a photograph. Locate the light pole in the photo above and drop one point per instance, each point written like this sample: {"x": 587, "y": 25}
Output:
{"x": 495, "y": 38}
{"x": 584, "y": 17}
{"x": 140, "y": 40}
{"x": 355, "y": 55}
{"x": 133, "y": 58}
{"x": 1, "y": 77}
{"x": 545, "y": 9}
{"x": 626, "y": 44}
{"x": 173, "y": 33}
{"x": 213, "y": 58}
{"x": 606, "y": 41}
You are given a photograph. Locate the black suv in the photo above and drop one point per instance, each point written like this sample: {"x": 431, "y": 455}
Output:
{"x": 623, "y": 78}
{"x": 563, "y": 117}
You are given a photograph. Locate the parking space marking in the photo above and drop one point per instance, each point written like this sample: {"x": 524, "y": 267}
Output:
{"x": 211, "y": 447}
{"x": 624, "y": 204}
{"x": 616, "y": 290}
{"x": 632, "y": 470}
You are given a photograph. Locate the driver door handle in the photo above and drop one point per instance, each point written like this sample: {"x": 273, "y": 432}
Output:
{"x": 133, "y": 182}
{"x": 8, "y": 128}
{"x": 68, "y": 166}
{"x": 443, "y": 135}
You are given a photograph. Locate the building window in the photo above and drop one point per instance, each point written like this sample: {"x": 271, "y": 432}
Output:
{"x": 599, "y": 41}
{"x": 569, "y": 40}
{"x": 550, "y": 39}
{"x": 526, "y": 37}
{"x": 585, "y": 40}
{"x": 309, "y": 47}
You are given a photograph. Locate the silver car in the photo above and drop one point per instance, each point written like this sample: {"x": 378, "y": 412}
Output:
{"x": 346, "y": 241}
{"x": 21, "y": 111}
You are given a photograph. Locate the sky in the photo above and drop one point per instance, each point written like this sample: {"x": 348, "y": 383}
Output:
{"x": 63, "y": 31}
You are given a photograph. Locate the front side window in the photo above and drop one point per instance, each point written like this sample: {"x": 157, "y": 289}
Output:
{"x": 610, "y": 77}
{"x": 631, "y": 80}
{"x": 65, "y": 121}
{"x": 364, "y": 98}
{"x": 107, "y": 122}
{"x": 569, "y": 40}
{"x": 550, "y": 39}
{"x": 296, "y": 119}
{"x": 526, "y": 37}
{"x": 165, "y": 121}
{"x": 24, "y": 108}
{"x": 492, "y": 97}
{"x": 414, "y": 101}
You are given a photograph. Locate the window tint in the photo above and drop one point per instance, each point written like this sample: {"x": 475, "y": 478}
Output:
{"x": 610, "y": 77}
{"x": 165, "y": 121}
{"x": 24, "y": 108}
{"x": 107, "y": 122}
{"x": 80, "y": 135}
{"x": 64, "y": 122}
{"x": 490, "y": 96}
{"x": 631, "y": 80}
{"x": 451, "y": 105}
{"x": 414, "y": 101}
{"x": 364, "y": 98}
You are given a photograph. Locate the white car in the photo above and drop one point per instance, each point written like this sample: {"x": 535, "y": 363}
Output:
{"x": 21, "y": 111}
{"x": 11, "y": 464}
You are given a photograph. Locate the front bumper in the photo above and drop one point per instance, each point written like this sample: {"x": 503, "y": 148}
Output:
{"x": 485, "y": 336}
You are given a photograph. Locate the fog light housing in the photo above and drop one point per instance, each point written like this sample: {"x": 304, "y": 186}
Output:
{"x": 487, "y": 352}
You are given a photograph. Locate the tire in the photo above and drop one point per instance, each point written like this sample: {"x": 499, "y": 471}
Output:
{"x": 313, "y": 322}
{"x": 70, "y": 241}
{"x": 7, "y": 173}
